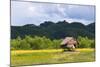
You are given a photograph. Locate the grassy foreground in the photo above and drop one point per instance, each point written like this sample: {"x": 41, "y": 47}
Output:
{"x": 33, "y": 57}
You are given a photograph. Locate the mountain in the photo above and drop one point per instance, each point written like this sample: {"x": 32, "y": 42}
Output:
{"x": 91, "y": 27}
{"x": 52, "y": 30}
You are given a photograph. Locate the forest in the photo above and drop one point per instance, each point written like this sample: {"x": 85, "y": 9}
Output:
{"x": 52, "y": 30}
{"x": 49, "y": 35}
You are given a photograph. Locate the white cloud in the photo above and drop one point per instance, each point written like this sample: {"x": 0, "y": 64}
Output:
{"x": 35, "y": 13}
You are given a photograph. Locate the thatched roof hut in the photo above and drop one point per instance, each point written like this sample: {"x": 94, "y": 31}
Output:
{"x": 69, "y": 41}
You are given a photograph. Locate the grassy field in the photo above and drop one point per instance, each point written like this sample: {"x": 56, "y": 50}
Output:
{"x": 34, "y": 57}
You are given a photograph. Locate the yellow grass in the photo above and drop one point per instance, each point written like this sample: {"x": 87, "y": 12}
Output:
{"x": 49, "y": 56}
{"x": 34, "y": 51}
{"x": 48, "y": 51}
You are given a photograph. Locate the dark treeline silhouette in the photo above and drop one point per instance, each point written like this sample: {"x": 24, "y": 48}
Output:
{"x": 52, "y": 30}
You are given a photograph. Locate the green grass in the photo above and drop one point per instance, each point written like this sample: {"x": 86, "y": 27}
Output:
{"x": 33, "y": 57}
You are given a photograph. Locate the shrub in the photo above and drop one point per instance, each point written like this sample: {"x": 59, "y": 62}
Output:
{"x": 45, "y": 43}
{"x": 15, "y": 43}
{"x": 24, "y": 45}
{"x": 56, "y": 43}
{"x": 93, "y": 44}
{"x": 85, "y": 42}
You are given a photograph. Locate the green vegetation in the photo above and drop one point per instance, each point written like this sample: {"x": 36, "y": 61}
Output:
{"x": 34, "y": 43}
{"x": 31, "y": 44}
{"x": 85, "y": 42}
{"x": 33, "y": 57}
{"x": 53, "y": 30}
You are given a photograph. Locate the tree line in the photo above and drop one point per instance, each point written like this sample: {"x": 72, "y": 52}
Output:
{"x": 36, "y": 42}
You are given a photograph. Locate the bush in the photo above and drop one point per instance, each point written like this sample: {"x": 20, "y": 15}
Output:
{"x": 24, "y": 45}
{"x": 56, "y": 43}
{"x": 93, "y": 44}
{"x": 15, "y": 43}
{"x": 45, "y": 43}
{"x": 85, "y": 42}
{"x": 34, "y": 43}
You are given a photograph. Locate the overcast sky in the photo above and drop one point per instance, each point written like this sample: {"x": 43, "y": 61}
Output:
{"x": 35, "y": 13}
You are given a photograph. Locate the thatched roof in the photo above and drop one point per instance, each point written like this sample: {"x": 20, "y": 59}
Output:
{"x": 68, "y": 39}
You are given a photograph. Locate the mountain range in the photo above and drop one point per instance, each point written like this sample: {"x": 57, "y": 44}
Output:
{"x": 52, "y": 30}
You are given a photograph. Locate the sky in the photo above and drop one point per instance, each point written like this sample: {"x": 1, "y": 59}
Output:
{"x": 36, "y": 13}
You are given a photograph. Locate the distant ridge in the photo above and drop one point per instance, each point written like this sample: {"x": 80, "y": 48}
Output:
{"x": 53, "y": 30}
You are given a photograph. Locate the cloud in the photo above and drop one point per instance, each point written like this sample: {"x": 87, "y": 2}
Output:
{"x": 81, "y": 12}
{"x": 35, "y": 13}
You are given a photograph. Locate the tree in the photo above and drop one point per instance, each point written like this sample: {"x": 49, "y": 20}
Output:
{"x": 84, "y": 42}
{"x": 15, "y": 43}
{"x": 24, "y": 44}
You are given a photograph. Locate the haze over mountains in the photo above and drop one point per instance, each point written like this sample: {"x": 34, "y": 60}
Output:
{"x": 52, "y": 30}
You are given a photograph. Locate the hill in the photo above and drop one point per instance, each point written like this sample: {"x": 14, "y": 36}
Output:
{"x": 52, "y": 30}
